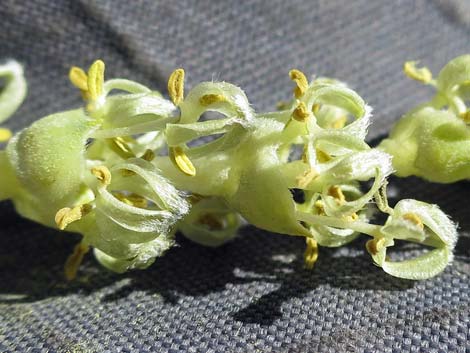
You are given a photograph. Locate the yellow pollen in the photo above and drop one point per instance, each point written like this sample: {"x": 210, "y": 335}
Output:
{"x": 181, "y": 160}
{"x": 339, "y": 124}
{"x": 300, "y": 113}
{"x": 132, "y": 199}
{"x": 352, "y": 217}
{"x": 322, "y": 156}
{"x": 79, "y": 78}
{"x": 5, "y": 134}
{"x": 306, "y": 178}
{"x": 319, "y": 207}
{"x": 336, "y": 192}
{"x": 96, "y": 79}
{"x": 419, "y": 74}
{"x": 300, "y": 80}
{"x": 176, "y": 86}
{"x": 465, "y": 116}
{"x": 316, "y": 108}
{"x": 103, "y": 174}
{"x": 74, "y": 261}
{"x": 311, "y": 253}
{"x": 120, "y": 146}
{"x": 209, "y": 99}
{"x": 148, "y": 156}
{"x": 67, "y": 215}
{"x": 374, "y": 246}
{"x": 305, "y": 154}
{"x": 414, "y": 218}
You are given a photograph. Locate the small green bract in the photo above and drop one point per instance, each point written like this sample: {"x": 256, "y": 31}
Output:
{"x": 131, "y": 168}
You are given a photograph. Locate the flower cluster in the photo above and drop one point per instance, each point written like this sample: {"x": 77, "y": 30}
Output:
{"x": 131, "y": 168}
{"x": 432, "y": 141}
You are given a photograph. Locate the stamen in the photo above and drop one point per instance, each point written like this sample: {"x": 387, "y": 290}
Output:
{"x": 301, "y": 81}
{"x": 465, "y": 117}
{"x": 79, "y": 78}
{"x": 103, "y": 174}
{"x": 120, "y": 146}
{"x": 148, "y": 156}
{"x": 306, "y": 178}
{"x": 322, "y": 156}
{"x": 209, "y": 99}
{"x": 5, "y": 134}
{"x": 316, "y": 108}
{"x": 340, "y": 123}
{"x": 352, "y": 217}
{"x": 132, "y": 199}
{"x": 176, "y": 86}
{"x": 67, "y": 215}
{"x": 311, "y": 253}
{"x": 74, "y": 261}
{"x": 336, "y": 192}
{"x": 414, "y": 218}
{"x": 96, "y": 79}
{"x": 300, "y": 113}
{"x": 181, "y": 160}
{"x": 419, "y": 74}
{"x": 374, "y": 246}
{"x": 319, "y": 207}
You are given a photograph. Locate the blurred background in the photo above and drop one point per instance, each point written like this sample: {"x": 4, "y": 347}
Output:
{"x": 252, "y": 294}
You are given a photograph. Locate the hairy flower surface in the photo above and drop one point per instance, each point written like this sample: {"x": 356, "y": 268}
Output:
{"x": 131, "y": 168}
{"x": 432, "y": 141}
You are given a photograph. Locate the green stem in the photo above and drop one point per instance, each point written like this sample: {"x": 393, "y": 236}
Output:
{"x": 8, "y": 182}
{"x": 372, "y": 230}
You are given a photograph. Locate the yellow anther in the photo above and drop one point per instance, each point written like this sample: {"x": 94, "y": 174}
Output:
{"x": 301, "y": 113}
{"x": 465, "y": 116}
{"x": 96, "y": 79}
{"x": 149, "y": 155}
{"x": 414, "y": 218}
{"x": 181, "y": 160}
{"x": 132, "y": 199}
{"x": 103, "y": 174}
{"x": 209, "y": 99}
{"x": 79, "y": 78}
{"x": 301, "y": 81}
{"x": 305, "y": 154}
{"x": 374, "y": 246}
{"x": 5, "y": 134}
{"x": 419, "y": 74}
{"x": 127, "y": 172}
{"x": 319, "y": 207}
{"x": 336, "y": 192}
{"x": 352, "y": 217}
{"x": 322, "y": 156}
{"x": 311, "y": 253}
{"x": 211, "y": 221}
{"x": 120, "y": 146}
{"x": 316, "y": 108}
{"x": 176, "y": 86}
{"x": 340, "y": 123}
{"x": 306, "y": 178}
{"x": 67, "y": 215}
{"x": 74, "y": 261}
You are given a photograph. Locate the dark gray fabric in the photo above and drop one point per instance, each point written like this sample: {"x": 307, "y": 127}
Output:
{"x": 251, "y": 295}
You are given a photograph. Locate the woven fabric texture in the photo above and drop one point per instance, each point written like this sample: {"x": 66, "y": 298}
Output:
{"x": 251, "y": 295}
